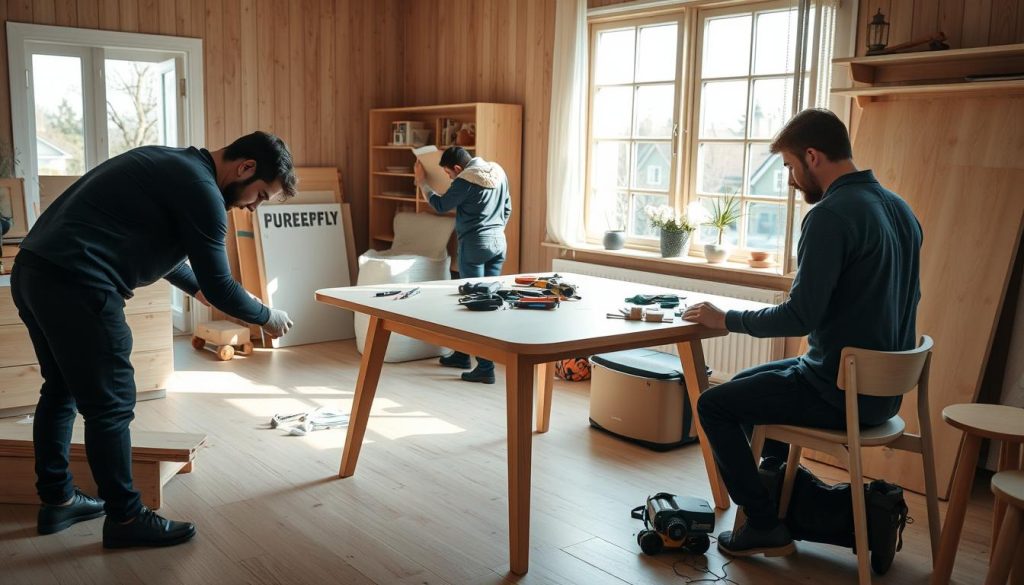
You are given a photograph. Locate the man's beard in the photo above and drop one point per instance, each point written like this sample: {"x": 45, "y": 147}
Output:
{"x": 233, "y": 192}
{"x": 812, "y": 191}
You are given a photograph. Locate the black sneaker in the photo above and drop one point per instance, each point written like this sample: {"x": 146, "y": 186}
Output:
{"x": 456, "y": 360}
{"x": 147, "y": 529}
{"x": 748, "y": 541}
{"x": 56, "y": 518}
{"x": 483, "y": 377}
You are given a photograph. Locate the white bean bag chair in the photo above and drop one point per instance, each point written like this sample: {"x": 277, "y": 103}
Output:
{"x": 419, "y": 253}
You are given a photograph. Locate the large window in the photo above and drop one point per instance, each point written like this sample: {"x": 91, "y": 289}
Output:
{"x": 675, "y": 122}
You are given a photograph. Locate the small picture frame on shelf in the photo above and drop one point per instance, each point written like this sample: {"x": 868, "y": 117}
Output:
{"x": 408, "y": 133}
{"x": 12, "y": 206}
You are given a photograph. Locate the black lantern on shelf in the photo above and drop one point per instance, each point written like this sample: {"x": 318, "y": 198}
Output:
{"x": 878, "y": 33}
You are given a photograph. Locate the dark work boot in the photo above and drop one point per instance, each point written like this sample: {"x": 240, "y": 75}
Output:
{"x": 456, "y": 360}
{"x": 483, "y": 376}
{"x": 749, "y": 541}
{"x": 56, "y": 518}
{"x": 147, "y": 529}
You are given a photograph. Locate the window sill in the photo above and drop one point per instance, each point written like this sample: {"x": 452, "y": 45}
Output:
{"x": 686, "y": 266}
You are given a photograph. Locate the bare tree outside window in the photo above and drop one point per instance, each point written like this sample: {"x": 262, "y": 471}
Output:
{"x": 132, "y": 106}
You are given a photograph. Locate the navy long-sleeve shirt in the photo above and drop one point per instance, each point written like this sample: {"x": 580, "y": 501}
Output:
{"x": 857, "y": 285}
{"x": 135, "y": 219}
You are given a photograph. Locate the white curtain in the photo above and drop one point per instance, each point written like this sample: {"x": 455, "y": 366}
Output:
{"x": 567, "y": 153}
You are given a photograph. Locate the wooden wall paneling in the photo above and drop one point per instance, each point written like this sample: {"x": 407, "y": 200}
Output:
{"x": 149, "y": 16}
{"x": 109, "y": 15}
{"x": 925, "y": 18}
{"x": 213, "y": 70}
{"x": 44, "y": 12}
{"x": 328, "y": 89}
{"x": 941, "y": 155}
{"x": 1020, "y": 25}
{"x": 901, "y": 19}
{"x": 19, "y": 10}
{"x": 89, "y": 13}
{"x": 279, "y": 26}
{"x": 296, "y": 82}
{"x": 249, "y": 68}
{"x": 166, "y": 17}
{"x": 182, "y": 18}
{"x": 128, "y": 16}
{"x": 950, "y": 21}
{"x": 5, "y": 92}
{"x": 67, "y": 13}
{"x": 232, "y": 64}
{"x": 1003, "y": 25}
{"x": 265, "y": 80}
{"x": 977, "y": 21}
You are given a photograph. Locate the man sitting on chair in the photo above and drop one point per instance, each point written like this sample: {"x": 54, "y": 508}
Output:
{"x": 856, "y": 285}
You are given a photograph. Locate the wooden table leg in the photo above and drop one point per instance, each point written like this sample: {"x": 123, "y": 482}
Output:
{"x": 1009, "y": 458}
{"x": 366, "y": 386}
{"x": 691, "y": 355}
{"x": 519, "y": 399}
{"x": 543, "y": 383}
{"x": 961, "y": 492}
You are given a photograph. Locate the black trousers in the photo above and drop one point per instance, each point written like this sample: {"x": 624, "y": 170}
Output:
{"x": 83, "y": 344}
{"x": 773, "y": 393}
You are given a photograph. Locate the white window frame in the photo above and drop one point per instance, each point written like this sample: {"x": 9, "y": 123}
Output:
{"x": 841, "y": 20}
{"x": 93, "y": 47}
{"x": 24, "y": 39}
{"x": 679, "y": 113}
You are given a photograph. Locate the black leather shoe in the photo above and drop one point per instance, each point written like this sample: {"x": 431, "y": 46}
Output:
{"x": 456, "y": 360}
{"x": 56, "y": 518}
{"x": 477, "y": 376}
{"x": 147, "y": 529}
{"x": 748, "y": 541}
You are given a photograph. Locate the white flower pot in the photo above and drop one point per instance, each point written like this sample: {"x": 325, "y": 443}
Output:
{"x": 715, "y": 253}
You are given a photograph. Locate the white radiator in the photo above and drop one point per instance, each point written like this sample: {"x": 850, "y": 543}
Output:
{"x": 726, "y": 356}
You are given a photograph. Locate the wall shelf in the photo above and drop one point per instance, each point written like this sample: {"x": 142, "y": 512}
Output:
{"x": 930, "y": 72}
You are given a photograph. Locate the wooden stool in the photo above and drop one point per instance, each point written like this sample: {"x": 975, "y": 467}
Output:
{"x": 226, "y": 336}
{"x": 1008, "y": 487}
{"x": 977, "y": 421}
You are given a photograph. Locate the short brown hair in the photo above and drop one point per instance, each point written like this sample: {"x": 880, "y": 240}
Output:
{"x": 815, "y": 128}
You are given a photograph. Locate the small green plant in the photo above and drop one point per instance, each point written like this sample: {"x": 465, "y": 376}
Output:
{"x": 668, "y": 220}
{"x": 724, "y": 213}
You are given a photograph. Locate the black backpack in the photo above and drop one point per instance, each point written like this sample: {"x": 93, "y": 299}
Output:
{"x": 819, "y": 512}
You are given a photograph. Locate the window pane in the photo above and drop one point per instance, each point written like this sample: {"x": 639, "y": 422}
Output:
{"x": 135, "y": 105}
{"x": 654, "y": 106}
{"x": 775, "y": 43}
{"x": 723, "y": 109}
{"x": 767, "y": 176}
{"x": 614, "y": 56}
{"x": 726, "y": 47}
{"x": 169, "y": 128}
{"x": 613, "y": 109}
{"x": 719, "y": 168}
{"x": 652, "y": 162}
{"x": 609, "y": 167}
{"x": 640, "y": 224}
{"x": 656, "y": 61}
{"x": 766, "y": 229}
{"x": 773, "y": 100}
{"x": 709, "y": 234}
{"x": 609, "y": 209}
{"x": 60, "y": 130}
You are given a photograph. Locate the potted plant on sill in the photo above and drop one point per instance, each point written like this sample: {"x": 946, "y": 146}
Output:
{"x": 724, "y": 212}
{"x": 675, "y": 229}
{"x": 615, "y": 219}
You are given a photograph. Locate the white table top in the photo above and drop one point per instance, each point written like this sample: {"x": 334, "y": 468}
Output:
{"x": 574, "y": 325}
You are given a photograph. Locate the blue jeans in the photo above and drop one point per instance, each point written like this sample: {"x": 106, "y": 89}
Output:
{"x": 480, "y": 256}
{"x": 83, "y": 343}
{"x": 772, "y": 393}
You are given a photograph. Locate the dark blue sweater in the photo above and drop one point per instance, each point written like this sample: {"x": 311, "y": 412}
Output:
{"x": 135, "y": 219}
{"x": 857, "y": 285}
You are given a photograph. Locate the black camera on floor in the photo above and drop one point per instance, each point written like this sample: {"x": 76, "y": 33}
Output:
{"x": 674, "y": 521}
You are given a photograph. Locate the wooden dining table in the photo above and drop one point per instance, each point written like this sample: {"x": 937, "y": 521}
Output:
{"x": 528, "y": 343}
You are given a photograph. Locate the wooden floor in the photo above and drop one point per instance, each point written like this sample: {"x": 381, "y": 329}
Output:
{"x": 428, "y": 502}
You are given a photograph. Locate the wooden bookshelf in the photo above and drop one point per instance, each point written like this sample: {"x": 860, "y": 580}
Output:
{"x": 499, "y": 131}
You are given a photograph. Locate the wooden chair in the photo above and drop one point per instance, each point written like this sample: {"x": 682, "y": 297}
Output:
{"x": 1009, "y": 545}
{"x": 872, "y": 373}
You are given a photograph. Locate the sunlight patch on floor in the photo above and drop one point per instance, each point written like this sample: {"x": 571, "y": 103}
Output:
{"x": 193, "y": 382}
